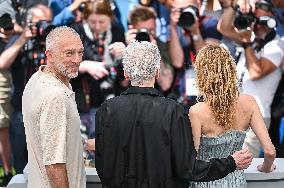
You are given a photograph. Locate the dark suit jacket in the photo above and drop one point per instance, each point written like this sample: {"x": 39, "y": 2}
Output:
{"x": 144, "y": 140}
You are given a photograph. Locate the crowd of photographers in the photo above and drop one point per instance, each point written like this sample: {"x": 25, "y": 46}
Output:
{"x": 250, "y": 29}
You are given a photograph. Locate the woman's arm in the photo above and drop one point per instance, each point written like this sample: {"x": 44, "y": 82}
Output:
{"x": 195, "y": 125}
{"x": 260, "y": 130}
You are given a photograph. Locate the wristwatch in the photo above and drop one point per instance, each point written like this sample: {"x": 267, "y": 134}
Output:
{"x": 196, "y": 37}
{"x": 245, "y": 45}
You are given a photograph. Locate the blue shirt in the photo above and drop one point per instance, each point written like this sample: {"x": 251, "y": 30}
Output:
{"x": 61, "y": 12}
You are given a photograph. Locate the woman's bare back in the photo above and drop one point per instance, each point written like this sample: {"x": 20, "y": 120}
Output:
{"x": 243, "y": 113}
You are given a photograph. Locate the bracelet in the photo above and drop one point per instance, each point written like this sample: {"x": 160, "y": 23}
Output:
{"x": 246, "y": 45}
{"x": 196, "y": 37}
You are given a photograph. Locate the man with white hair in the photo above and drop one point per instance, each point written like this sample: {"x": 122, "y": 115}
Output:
{"x": 144, "y": 140}
{"x": 51, "y": 118}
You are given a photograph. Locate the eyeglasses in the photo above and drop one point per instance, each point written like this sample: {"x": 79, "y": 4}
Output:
{"x": 263, "y": 6}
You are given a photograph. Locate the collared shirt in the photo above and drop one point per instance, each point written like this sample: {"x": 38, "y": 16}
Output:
{"x": 263, "y": 90}
{"x": 144, "y": 140}
{"x": 52, "y": 127}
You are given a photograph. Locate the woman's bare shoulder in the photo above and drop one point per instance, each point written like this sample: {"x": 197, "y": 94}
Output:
{"x": 197, "y": 108}
{"x": 246, "y": 99}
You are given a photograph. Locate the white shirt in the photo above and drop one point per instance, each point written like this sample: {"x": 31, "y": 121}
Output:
{"x": 263, "y": 89}
{"x": 52, "y": 127}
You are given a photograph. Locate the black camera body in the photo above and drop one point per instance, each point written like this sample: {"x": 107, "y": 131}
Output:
{"x": 43, "y": 28}
{"x": 143, "y": 34}
{"x": 35, "y": 47}
{"x": 188, "y": 16}
{"x": 243, "y": 21}
{"x": 6, "y": 22}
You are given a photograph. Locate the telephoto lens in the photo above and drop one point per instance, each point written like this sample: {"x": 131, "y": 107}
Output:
{"x": 188, "y": 16}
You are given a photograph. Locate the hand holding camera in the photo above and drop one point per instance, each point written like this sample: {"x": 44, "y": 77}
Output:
{"x": 186, "y": 17}
{"x": 245, "y": 16}
{"x": 27, "y": 33}
{"x": 142, "y": 34}
{"x": 131, "y": 34}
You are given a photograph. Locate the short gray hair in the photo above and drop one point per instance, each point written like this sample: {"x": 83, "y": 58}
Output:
{"x": 140, "y": 61}
{"x": 58, "y": 33}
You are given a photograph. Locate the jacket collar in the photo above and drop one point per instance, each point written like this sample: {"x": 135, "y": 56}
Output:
{"x": 142, "y": 90}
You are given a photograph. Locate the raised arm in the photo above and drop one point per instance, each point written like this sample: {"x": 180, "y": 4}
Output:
{"x": 260, "y": 130}
{"x": 225, "y": 24}
{"x": 8, "y": 56}
{"x": 175, "y": 49}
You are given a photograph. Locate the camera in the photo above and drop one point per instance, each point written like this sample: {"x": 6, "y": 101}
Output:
{"x": 143, "y": 34}
{"x": 40, "y": 31}
{"x": 243, "y": 21}
{"x": 6, "y": 22}
{"x": 267, "y": 21}
{"x": 188, "y": 16}
{"x": 43, "y": 27}
{"x": 35, "y": 47}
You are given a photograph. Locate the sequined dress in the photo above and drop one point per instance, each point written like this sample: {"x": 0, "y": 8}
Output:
{"x": 222, "y": 146}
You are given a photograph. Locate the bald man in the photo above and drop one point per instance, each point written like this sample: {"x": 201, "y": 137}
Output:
{"x": 51, "y": 118}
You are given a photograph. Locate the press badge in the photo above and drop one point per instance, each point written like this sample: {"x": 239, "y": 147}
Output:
{"x": 190, "y": 85}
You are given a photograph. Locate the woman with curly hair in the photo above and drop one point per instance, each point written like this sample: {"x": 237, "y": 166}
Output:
{"x": 221, "y": 120}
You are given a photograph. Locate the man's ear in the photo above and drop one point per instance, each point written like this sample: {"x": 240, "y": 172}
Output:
{"x": 126, "y": 75}
{"x": 157, "y": 76}
{"x": 48, "y": 54}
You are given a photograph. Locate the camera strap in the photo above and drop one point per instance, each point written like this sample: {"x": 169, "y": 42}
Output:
{"x": 260, "y": 43}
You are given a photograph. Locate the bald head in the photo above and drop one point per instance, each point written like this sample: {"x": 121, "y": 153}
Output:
{"x": 58, "y": 35}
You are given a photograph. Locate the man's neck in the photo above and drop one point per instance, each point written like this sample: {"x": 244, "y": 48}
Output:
{"x": 57, "y": 75}
{"x": 148, "y": 84}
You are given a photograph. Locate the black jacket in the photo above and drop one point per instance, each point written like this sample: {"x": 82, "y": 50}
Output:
{"x": 144, "y": 140}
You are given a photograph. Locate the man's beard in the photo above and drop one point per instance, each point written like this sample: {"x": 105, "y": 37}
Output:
{"x": 64, "y": 71}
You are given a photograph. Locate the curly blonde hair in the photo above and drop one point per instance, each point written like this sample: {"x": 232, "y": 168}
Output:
{"x": 217, "y": 82}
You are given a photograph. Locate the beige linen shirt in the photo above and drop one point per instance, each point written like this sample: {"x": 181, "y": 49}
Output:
{"x": 52, "y": 130}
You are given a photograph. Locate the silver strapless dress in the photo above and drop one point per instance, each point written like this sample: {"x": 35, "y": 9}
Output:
{"x": 221, "y": 147}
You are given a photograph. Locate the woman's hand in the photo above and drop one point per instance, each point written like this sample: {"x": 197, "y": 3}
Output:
{"x": 263, "y": 168}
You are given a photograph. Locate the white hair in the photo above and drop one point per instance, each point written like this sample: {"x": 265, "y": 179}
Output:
{"x": 141, "y": 61}
{"x": 58, "y": 33}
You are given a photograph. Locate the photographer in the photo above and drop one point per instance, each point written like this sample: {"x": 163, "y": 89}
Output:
{"x": 143, "y": 28}
{"x": 190, "y": 30}
{"x": 258, "y": 65}
{"x": 6, "y": 31}
{"x": 100, "y": 73}
{"x": 162, "y": 9}
{"x": 22, "y": 66}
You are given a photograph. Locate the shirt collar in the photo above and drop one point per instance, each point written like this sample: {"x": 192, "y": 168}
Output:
{"x": 54, "y": 80}
{"x": 142, "y": 90}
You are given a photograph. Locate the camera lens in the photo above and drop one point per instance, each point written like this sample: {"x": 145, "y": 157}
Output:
{"x": 187, "y": 17}
{"x": 143, "y": 35}
{"x": 6, "y": 22}
{"x": 267, "y": 21}
{"x": 241, "y": 22}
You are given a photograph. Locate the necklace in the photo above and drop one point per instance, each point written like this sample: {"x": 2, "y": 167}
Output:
{"x": 53, "y": 74}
